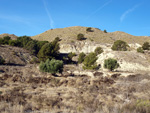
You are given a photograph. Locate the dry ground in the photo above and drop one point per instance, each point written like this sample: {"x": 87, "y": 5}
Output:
{"x": 24, "y": 89}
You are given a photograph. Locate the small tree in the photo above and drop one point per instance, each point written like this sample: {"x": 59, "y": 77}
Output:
{"x": 51, "y": 66}
{"x": 2, "y": 61}
{"x": 111, "y": 64}
{"x": 49, "y": 51}
{"x": 98, "y": 50}
{"x": 89, "y": 29}
{"x": 119, "y": 45}
{"x": 146, "y": 46}
{"x": 90, "y": 61}
{"x": 71, "y": 55}
{"x": 81, "y": 57}
{"x": 105, "y": 31}
{"x": 140, "y": 50}
{"x": 80, "y": 37}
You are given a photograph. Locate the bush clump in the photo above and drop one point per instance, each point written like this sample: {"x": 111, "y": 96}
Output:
{"x": 89, "y": 29}
{"x": 146, "y": 46}
{"x": 71, "y": 55}
{"x": 2, "y": 61}
{"x": 81, "y": 57}
{"x": 49, "y": 51}
{"x": 111, "y": 64}
{"x": 51, "y": 66}
{"x": 98, "y": 50}
{"x": 140, "y": 50}
{"x": 80, "y": 36}
{"x": 90, "y": 61}
{"x": 119, "y": 45}
{"x": 105, "y": 31}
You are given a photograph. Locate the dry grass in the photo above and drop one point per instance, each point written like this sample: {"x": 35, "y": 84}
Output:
{"x": 69, "y": 35}
{"x": 29, "y": 90}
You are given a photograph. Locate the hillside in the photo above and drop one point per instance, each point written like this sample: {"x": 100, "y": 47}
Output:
{"x": 69, "y": 35}
{"x": 24, "y": 88}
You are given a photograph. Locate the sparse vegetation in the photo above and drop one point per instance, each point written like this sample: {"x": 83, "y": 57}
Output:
{"x": 120, "y": 45}
{"x": 81, "y": 57}
{"x": 140, "y": 50}
{"x": 90, "y": 61}
{"x": 146, "y": 46}
{"x": 111, "y": 64}
{"x": 98, "y": 50}
{"x": 51, "y": 66}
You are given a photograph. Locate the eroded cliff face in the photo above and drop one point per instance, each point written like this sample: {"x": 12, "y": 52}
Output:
{"x": 82, "y": 46}
{"x": 131, "y": 61}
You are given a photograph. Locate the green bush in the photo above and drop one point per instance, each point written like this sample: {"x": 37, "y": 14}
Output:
{"x": 90, "y": 61}
{"x": 119, "y": 45}
{"x": 5, "y": 40}
{"x": 71, "y": 55}
{"x": 2, "y": 61}
{"x": 146, "y": 46}
{"x": 98, "y": 50}
{"x": 32, "y": 46}
{"x": 81, "y": 57}
{"x": 111, "y": 64}
{"x": 89, "y": 29}
{"x": 105, "y": 31}
{"x": 40, "y": 44}
{"x": 12, "y": 43}
{"x": 23, "y": 40}
{"x": 80, "y": 37}
{"x": 140, "y": 50}
{"x": 49, "y": 51}
{"x": 51, "y": 66}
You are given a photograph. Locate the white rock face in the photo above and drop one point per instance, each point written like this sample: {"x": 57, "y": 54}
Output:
{"x": 128, "y": 60}
{"x": 82, "y": 46}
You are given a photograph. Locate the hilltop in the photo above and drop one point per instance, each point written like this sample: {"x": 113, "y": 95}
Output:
{"x": 69, "y": 34}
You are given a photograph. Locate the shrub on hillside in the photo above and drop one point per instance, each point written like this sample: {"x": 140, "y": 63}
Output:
{"x": 98, "y": 50}
{"x": 12, "y": 43}
{"x": 146, "y": 46}
{"x": 23, "y": 40}
{"x": 140, "y": 50}
{"x": 5, "y": 40}
{"x": 89, "y": 29}
{"x": 80, "y": 37}
{"x": 90, "y": 61}
{"x": 105, "y": 31}
{"x": 71, "y": 55}
{"x": 111, "y": 64}
{"x": 119, "y": 45}
{"x": 49, "y": 51}
{"x": 32, "y": 46}
{"x": 2, "y": 61}
{"x": 51, "y": 66}
{"x": 81, "y": 57}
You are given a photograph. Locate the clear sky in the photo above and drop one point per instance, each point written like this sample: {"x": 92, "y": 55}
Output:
{"x": 32, "y": 17}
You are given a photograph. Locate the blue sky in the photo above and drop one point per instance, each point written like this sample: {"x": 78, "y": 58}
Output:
{"x": 32, "y": 17}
